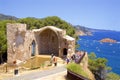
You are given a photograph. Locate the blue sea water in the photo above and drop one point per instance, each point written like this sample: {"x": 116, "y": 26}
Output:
{"x": 110, "y": 51}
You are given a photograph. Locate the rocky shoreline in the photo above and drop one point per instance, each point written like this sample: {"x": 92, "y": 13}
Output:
{"x": 81, "y": 33}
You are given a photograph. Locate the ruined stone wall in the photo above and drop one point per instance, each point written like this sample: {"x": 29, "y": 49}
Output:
{"x": 71, "y": 48}
{"x": 19, "y": 42}
{"x": 37, "y": 42}
{"x": 15, "y": 41}
{"x": 47, "y": 41}
{"x": 69, "y": 45}
{"x": 29, "y": 37}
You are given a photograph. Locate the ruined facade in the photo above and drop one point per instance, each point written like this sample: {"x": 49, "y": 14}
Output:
{"x": 22, "y": 43}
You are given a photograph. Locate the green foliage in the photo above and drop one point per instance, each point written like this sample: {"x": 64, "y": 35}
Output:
{"x": 34, "y": 23}
{"x": 100, "y": 69}
{"x": 92, "y": 56}
{"x": 77, "y": 46}
{"x": 112, "y": 76}
{"x": 95, "y": 62}
{"x": 77, "y": 69}
{"x": 97, "y": 66}
{"x": 3, "y": 39}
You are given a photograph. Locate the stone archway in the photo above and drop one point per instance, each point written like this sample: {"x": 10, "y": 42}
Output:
{"x": 48, "y": 42}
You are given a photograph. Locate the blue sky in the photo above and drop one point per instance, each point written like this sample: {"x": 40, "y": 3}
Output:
{"x": 99, "y": 14}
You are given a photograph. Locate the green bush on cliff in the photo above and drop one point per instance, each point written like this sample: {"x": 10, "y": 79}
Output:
{"x": 99, "y": 68}
{"x": 112, "y": 76}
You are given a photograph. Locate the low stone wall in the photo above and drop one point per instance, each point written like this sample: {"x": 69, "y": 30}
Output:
{"x": 73, "y": 76}
{"x": 81, "y": 58}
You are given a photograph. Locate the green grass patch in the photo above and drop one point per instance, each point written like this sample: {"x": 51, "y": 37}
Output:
{"x": 76, "y": 68}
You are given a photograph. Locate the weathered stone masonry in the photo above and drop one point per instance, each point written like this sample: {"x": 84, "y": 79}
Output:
{"x": 22, "y": 43}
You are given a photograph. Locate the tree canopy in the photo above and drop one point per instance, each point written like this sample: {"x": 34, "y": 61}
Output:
{"x": 34, "y": 23}
{"x": 3, "y": 39}
{"x": 99, "y": 68}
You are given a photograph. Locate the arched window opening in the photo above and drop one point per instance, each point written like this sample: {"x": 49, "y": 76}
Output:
{"x": 33, "y": 48}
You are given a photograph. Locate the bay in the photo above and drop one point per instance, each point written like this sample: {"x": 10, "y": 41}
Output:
{"x": 110, "y": 51}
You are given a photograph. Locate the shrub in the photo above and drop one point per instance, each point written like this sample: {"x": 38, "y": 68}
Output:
{"x": 76, "y": 68}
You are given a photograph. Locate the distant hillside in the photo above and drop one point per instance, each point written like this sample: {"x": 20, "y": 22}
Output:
{"x": 7, "y": 17}
{"x": 81, "y": 30}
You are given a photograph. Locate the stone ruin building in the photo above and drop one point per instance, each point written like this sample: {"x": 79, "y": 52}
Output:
{"x": 23, "y": 44}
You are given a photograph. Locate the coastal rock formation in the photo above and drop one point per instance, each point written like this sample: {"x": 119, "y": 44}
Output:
{"x": 81, "y": 31}
{"x": 84, "y": 64}
{"x": 108, "y": 40}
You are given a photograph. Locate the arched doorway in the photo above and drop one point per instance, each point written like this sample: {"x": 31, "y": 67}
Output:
{"x": 33, "y": 48}
{"x": 48, "y": 43}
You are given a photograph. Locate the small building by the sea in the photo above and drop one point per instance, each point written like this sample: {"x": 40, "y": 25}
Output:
{"x": 22, "y": 44}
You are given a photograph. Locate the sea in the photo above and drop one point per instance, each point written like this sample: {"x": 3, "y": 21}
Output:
{"x": 110, "y": 51}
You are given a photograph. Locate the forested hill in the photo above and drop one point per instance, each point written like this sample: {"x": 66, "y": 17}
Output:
{"x": 80, "y": 30}
{"x": 7, "y": 17}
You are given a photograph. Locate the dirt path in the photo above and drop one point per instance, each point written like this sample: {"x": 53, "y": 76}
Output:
{"x": 39, "y": 74}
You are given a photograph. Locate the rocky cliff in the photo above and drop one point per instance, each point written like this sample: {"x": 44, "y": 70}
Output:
{"x": 84, "y": 64}
{"x": 81, "y": 30}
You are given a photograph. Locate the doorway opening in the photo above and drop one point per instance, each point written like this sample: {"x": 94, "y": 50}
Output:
{"x": 65, "y": 51}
